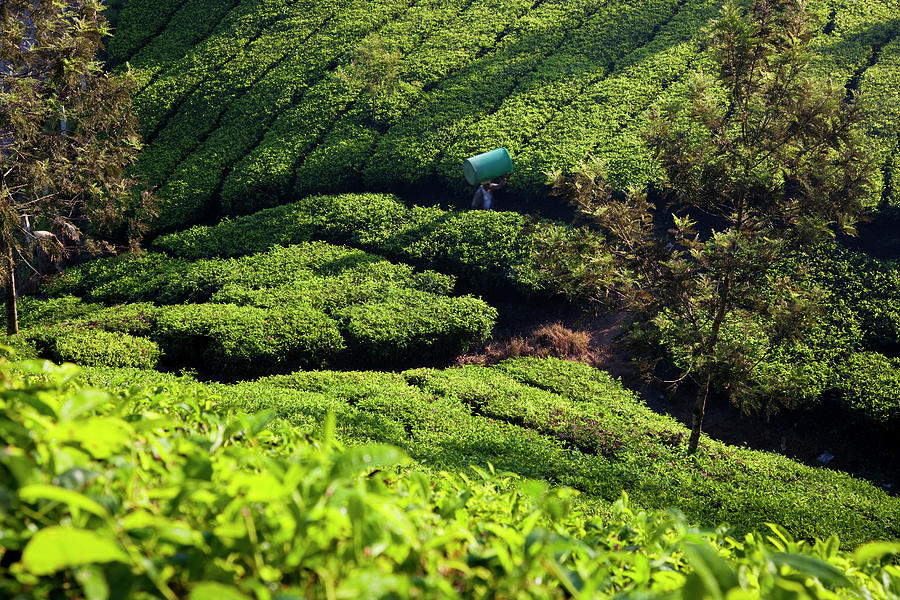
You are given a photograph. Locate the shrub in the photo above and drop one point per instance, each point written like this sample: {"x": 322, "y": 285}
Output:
{"x": 146, "y": 277}
{"x": 152, "y": 495}
{"x": 92, "y": 347}
{"x": 371, "y": 301}
{"x": 413, "y": 326}
{"x": 34, "y": 311}
{"x": 570, "y": 424}
{"x": 867, "y": 385}
{"x": 232, "y": 341}
{"x": 485, "y": 249}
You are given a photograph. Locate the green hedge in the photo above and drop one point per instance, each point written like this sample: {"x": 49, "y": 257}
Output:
{"x": 867, "y": 387}
{"x": 224, "y": 341}
{"x": 846, "y": 355}
{"x": 145, "y": 493}
{"x": 485, "y": 249}
{"x": 242, "y": 108}
{"x": 93, "y": 347}
{"x": 567, "y": 424}
{"x": 387, "y": 314}
{"x": 233, "y": 342}
{"x": 427, "y": 327}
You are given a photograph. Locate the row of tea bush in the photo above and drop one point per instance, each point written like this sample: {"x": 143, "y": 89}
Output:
{"x": 566, "y": 424}
{"x": 276, "y": 311}
{"x": 145, "y": 492}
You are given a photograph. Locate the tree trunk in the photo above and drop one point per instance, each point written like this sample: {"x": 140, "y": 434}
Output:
{"x": 12, "y": 314}
{"x": 697, "y": 421}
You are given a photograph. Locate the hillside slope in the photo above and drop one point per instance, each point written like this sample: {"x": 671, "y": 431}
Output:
{"x": 563, "y": 423}
{"x": 242, "y": 109}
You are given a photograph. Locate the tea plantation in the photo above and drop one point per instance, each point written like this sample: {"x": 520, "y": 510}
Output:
{"x": 242, "y": 107}
{"x": 267, "y": 402}
{"x": 164, "y": 487}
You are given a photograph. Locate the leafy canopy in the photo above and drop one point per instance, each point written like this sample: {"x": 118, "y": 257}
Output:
{"x": 761, "y": 158}
{"x": 67, "y": 135}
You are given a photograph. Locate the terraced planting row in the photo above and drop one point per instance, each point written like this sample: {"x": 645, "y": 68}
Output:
{"x": 154, "y": 492}
{"x": 266, "y": 176}
{"x": 486, "y": 250}
{"x": 562, "y": 423}
{"x": 140, "y": 22}
{"x": 581, "y": 38}
{"x": 187, "y": 194}
{"x": 197, "y": 26}
{"x": 253, "y": 113}
{"x": 299, "y": 306}
{"x": 198, "y": 113}
{"x": 846, "y": 360}
{"x": 880, "y": 88}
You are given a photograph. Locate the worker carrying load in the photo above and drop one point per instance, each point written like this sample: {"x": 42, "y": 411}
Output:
{"x": 484, "y": 195}
{"x": 489, "y": 171}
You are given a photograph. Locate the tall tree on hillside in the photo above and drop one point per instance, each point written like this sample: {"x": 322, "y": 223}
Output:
{"x": 760, "y": 158}
{"x": 67, "y": 134}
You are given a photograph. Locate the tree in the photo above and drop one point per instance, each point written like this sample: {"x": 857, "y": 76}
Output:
{"x": 375, "y": 69}
{"x": 67, "y": 135}
{"x": 760, "y": 159}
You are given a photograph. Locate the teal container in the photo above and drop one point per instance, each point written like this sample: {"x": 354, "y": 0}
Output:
{"x": 489, "y": 165}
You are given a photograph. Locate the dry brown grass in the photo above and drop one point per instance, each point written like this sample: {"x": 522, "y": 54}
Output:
{"x": 558, "y": 340}
{"x": 554, "y": 339}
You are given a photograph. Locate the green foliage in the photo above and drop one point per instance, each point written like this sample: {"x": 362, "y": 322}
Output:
{"x": 34, "y": 311}
{"x": 844, "y": 355}
{"x": 376, "y": 69}
{"x": 232, "y": 342}
{"x": 554, "y": 81}
{"x": 567, "y": 424}
{"x": 867, "y": 385}
{"x": 760, "y": 157}
{"x": 428, "y": 327}
{"x": 274, "y": 311}
{"x": 868, "y": 288}
{"x": 93, "y": 347}
{"x": 144, "y": 492}
{"x": 484, "y": 249}
{"x": 139, "y": 23}
{"x": 69, "y": 136}
{"x": 144, "y": 277}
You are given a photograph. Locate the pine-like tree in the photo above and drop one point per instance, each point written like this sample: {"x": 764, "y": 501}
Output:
{"x": 761, "y": 157}
{"x": 67, "y": 135}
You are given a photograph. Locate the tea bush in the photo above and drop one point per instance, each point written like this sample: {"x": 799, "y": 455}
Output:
{"x": 428, "y": 327}
{"x": 382, "y": 312}
{"x": 144, "y": 492}
{"x": 567, "y": 424}
{"x": 845, "y": 356}
{"x": 232, "y": 342}
{"x": 222, "y": 340}
{"x": 243, "y": 108}
{"x": 867, "y": 387}
{"x": 485, "y": 249}
{"x": 867, "y": 288}
{"x": 92, "y": 347}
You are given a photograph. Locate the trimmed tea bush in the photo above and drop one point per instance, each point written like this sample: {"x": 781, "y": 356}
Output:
{"x": 867, "y": 385}
{"x": 428, "y": 327}
{"x": 231, "y": 342}
{"x": 485, "y": 249}
{"x": 386, "y": 312}
{"x": 569, "y": 424}
{"x": 93, "y": 347}
{"x": 144, "y": 492}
